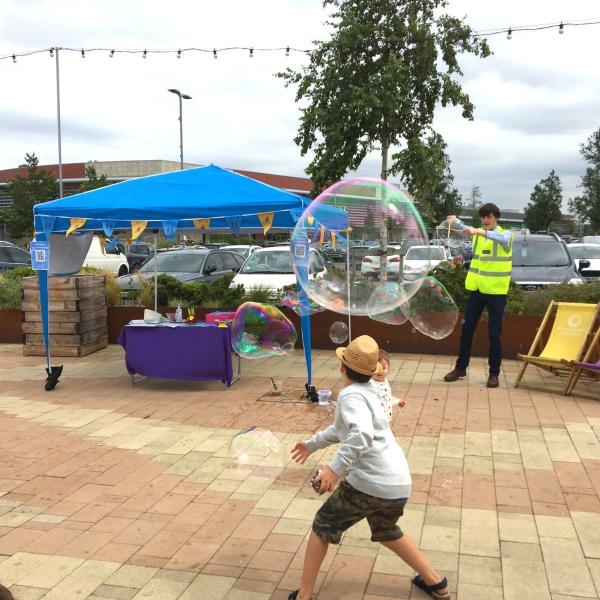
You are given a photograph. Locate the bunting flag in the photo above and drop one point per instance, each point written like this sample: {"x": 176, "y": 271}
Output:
{"x": 108, "y": 227}
{"x": 235, "y": 224}
{"x": 137, "y": 228}
{"x": 322, "y": 237}
{"x": 170, "y": 227}
{"x": 47, "y": 225}
{"x": 333, "y": 240}
{"x": 310, "y": 220}
{"x": 75, "y": 224}
{"x": 266, "y": 220}
{"x": 202, "y": 223}
{"x": 296, "y": 213}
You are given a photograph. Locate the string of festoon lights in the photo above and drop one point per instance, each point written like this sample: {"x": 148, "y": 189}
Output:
{"x": 560, "y": 26}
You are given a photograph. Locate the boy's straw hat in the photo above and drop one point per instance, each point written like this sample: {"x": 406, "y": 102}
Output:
{"x": 361, "y": 355}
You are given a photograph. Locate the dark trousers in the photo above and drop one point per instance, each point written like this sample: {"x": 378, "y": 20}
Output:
{"x": 475, "y": 305}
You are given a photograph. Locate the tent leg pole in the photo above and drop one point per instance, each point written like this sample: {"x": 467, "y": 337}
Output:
{"x": 155, "y": 274}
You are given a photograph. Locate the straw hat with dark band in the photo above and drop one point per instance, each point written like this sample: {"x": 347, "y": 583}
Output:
{"x": 361, "y": 355}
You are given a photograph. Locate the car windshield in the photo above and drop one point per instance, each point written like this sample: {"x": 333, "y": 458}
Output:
{"x": 431, "y": 253}
{"x": 171, "y": 262}
{"x": 243, "y": 250}
{"x": 277, "y": 261}
{"x": 588, "y": 252}
{"x": 540, "y": 254}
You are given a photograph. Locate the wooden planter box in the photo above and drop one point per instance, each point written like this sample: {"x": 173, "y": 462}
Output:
{"x": 78, "y": 317}
{"x": 10, "y": 326}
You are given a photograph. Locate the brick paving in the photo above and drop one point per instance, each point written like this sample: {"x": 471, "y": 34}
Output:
{"x": 114, "y": 491}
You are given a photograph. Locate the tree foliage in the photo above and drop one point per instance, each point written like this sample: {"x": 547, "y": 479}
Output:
{"x": 377, "y": 81}
{"x": 428, "y": 177}
{"x": 38, "y": 185}
{"x": 93, "y": 180}
{"x": 544, "y": 204}
{"x": 587, "y": 206}
{"x": 473, "y": 204}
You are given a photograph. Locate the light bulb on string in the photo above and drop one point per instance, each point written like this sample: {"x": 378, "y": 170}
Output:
{"x": 14, "y": 58}
{"x": 82, "y": 53}
{"x": 561, "y": 28}
{"x": 112, "y": 53}
{"x": 145, "y": 55}
{"x": 287, "y": 51}
{"x": 251, "y": 52}
{"x": 178, "y": 53}
{"x": 509, "y": 34}
{"x": 51, "y": 52}
{"x": 214, "y": 53}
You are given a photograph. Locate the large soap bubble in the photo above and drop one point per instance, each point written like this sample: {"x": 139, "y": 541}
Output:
{"x": 382, "y": 296}
{"x": 255, "y": 448}
{"x": 260, "y": 330}
{"x": 292, "y": 300}
{"x": 451, "y": 232}
{"x": 338, "y": 332}
{"x": 355, "y": 215}
{"x": 432, "y": 310}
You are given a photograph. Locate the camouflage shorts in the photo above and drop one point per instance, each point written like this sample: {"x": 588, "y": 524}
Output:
{"x": 347, "y": 506}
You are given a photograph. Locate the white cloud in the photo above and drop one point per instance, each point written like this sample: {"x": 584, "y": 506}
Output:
{"x": 536, "y": 98}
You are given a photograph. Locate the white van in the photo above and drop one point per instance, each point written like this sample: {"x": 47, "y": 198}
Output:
{"x": 110, "y": 260}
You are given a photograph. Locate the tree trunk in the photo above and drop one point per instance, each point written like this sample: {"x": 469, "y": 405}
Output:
{"x": 383, "y": 232}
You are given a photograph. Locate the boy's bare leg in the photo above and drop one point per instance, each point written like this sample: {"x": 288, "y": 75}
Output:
{"x": 315, "y": 554}
{"x": 409, "y": 552}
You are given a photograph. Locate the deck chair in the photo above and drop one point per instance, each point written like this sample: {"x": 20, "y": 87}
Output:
{"x": 573, "y": 327}
{"x": 585, "y": 368}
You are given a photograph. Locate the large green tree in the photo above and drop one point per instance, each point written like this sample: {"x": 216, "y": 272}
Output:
{"x": 93, "y": 180}
{"x": 375, "y": 84}
{"x": 428, "y": 177}
{"x": 544, "y": 204}
{"x": 38, "y": 185}
{"x": 587, "y": 206}
{"x": 473, "y": 204}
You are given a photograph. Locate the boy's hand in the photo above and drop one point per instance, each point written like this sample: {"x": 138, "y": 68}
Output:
{"x": 300, "y": 452}
{"x": 327, "y": 479}
{"x": 401, "y": 403}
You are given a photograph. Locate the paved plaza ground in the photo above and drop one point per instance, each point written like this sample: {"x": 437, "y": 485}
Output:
{"x": 109, "y": 490}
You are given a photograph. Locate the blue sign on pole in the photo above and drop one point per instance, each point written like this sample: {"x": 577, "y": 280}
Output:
{"x": 40, "y": 255}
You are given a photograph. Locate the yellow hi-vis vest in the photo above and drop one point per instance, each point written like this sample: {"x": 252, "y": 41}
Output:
{"x": 491, "y": 266}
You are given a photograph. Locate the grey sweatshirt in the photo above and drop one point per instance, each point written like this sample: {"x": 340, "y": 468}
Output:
{"x": 369, "y": 457}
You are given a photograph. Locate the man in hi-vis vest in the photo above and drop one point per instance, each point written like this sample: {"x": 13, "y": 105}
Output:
{"x": 488, "y": 281}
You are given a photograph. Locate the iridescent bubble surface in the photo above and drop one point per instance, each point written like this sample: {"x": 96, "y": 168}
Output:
{"x": 260, "y": 330}
{"x": 291, "y": 300}
{"x": 432, "y": 310}
{"x": 349, "y": 220}
{"x": 257, "y": 450}
{"x": 338, "y": 332}
{"x": 451, "y": 232}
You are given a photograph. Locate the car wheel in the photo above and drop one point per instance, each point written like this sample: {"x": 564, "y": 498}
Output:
{"x": 122, "y": 271}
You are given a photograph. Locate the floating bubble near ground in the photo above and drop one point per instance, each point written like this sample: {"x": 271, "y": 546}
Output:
{"x": 338, "y": 332}
{"x": 451, "y": 233}
{"x": 260, "y": 330}
{"x": 257, "y": 450}
{"x": 382, "y": 296}
{"x": 432, "y": 310}
{"x": 369, "y": 210}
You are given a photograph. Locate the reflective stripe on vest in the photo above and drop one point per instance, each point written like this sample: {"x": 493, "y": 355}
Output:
{"x": 491, "y": 267}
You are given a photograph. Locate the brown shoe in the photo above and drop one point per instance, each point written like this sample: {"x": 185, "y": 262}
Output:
{"x": 492, "y": 381}
{"x": 454, "y": 375}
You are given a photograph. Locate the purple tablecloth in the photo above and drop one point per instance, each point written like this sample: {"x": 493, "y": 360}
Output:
{"x": 188, "y": 352}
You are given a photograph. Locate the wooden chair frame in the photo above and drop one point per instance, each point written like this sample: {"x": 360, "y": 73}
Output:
{"x": 560, "y": 367}
{"x": 578, "y": 371}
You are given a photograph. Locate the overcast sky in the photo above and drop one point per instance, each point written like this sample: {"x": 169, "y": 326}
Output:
{"x": 537, "y": 98}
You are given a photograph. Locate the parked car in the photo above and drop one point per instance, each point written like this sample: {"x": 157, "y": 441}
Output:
{"x": 136, "y": 253}
{"x": 589, "y": 252}
{"x": 272, "y": 268}
{"x": 244, "y": 250}
{"x": 369, "y": 266}
{"x": 188, "y": 266}
{"x": 590, "y": 239}
{"x": 108, "y": 260}
{"x": 419, "y": 260}
{"x": 12, "y": 256}
{"x": 539, "y": 260}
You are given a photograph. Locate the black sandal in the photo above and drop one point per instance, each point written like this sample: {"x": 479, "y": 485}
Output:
{"x": 428, "y": 589}
{"x": 293, "y": 595}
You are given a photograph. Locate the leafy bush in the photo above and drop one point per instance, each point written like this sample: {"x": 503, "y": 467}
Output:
{"x": 10, "y": 293}
{"x": 263, "y": 295}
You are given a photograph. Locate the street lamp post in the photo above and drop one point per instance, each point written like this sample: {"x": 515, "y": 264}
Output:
{"x": 181, "y": 98}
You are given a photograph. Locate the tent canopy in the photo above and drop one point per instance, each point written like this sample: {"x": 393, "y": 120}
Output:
{"x": 180, "y": 197}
